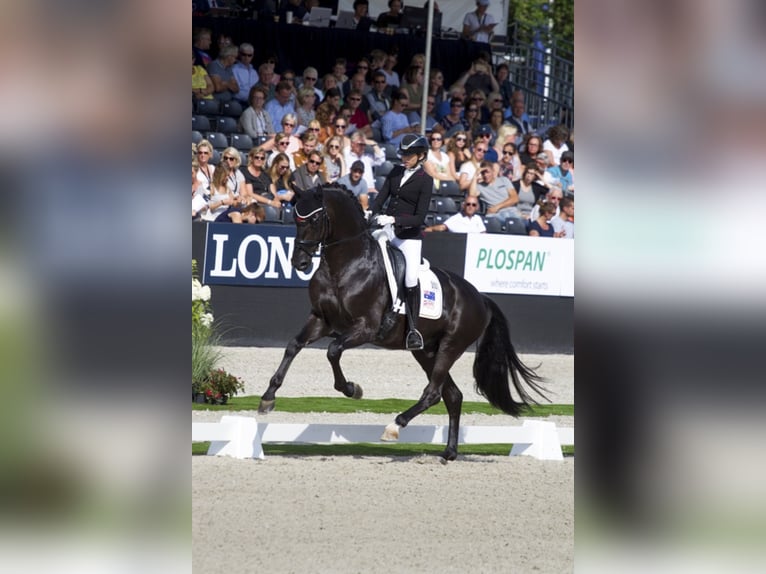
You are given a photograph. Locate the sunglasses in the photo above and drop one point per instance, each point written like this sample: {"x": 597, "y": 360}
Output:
{"x": 202, "y": 152}
{"x": 313, "y": 129}
{"x": 340, "y": 125}
{"x": 334, "y": 147}
{"x": 288, "y": 125}
{"x": 436, "y": 139}
{"x": 314, "y": 162}
{"x": 380, "y": 81}
{"x": 460, "y": 139}
{"x": 355, "y": 99}
{"x": 507, "y": 152}
{"x": 261, "y": 157}
{"x": 471, "y": 204}
{"x": 229, "y": 158}
{"x": 283, "y": 143}
{"x": 566, "y": 160}
{"x": 281, "y": 167}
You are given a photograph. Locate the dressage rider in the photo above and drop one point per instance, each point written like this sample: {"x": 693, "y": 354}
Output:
{"x": 403, "y": 202}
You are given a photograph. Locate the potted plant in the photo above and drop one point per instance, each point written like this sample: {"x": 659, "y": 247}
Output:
{"x": 204, "y": 337}
{"x": 221, "y": 385}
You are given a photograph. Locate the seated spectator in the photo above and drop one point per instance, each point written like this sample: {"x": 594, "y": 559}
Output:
{"x": 265, "y": 80}
{"x": 506, "y": 133}
{"x": 553, "y": 197}
{"x": 339, "y": 73}
{"x": 354, "y": 181}
{"x": 467, "y": 220}
{"x": 437, "y": 163}
{"x": 202, "y": 85}
{"x": 431, "y": 123}
{"x": 221, "y": 197}
{"x": 278, "y": 145}
{"x": 542, "y": 160}
{"x": 330, "y": 81}
{"x": 454, "y": 117}
{"x": 519, "y": 119}
{"x": 326, "y": 115}
{"x": 413, "y": 87}
{"x": 529, "y": 191}
{"x": 531, "y": 145}
{"x": 245, "y": 73}
{"x": 289, "y": 76}
{"x": 496, "y": 121}
{"x": 252, "y": 213}
{"x": 289, "y": 123}
{"x": 556, "y": 144}
{"x": 503, "y": 78}
{"x": 458, "y": 152}
{"x": 394, "y": 123}
{"x": 436, "y": 88}
{"x": 497, "y": 193}
{"x": 471, "y": 116}
{"x": 309, "y": 143}
{"x": 255, "y": 120}
{"x": 479, "y": 25}
{"x": 279, "y": 173}
{"x": 392, "y": 77}
{"x": 341, "y": 128}
{"x": 280, "y": 104}
{"x": 493, "y": 103}
{"x": 378, "y": 101}
{"x": 310, "y": 79}
{"x": 478, "y": 78}
{"x": 201, "y": 40}
{"x": 377, "y": 59}
{"x": 305, "y": 111}
{"x": 334, "y": 165}
{"x": 332, "y": 98}
{"x": 455, "y": 92}
{"x": 509, "y": 164}
{"x": 561, "y": 175}
{"x": 309, "y": 175}
{"x": 236, "y": 181}
{"x": 563, "y": 223}
{"x": 222, "y": 74}
{"x": 357, "y": 151}
{"x": 540, "y": 227}
{"x": 358, "y": 117}
{"x": 260, "y": 188}
{"x": 357, "y": 82}
{"x": 392, "y": 18}
{"x": 205, "y": 169}
{"x": 199, "y": 203}
{"x": 469, "y": 168}
{"x": 485, "y": 134}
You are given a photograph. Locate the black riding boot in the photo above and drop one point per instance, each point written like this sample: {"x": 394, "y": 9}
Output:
{"x": 414, "y": 338}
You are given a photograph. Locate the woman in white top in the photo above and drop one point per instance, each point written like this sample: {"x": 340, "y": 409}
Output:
{"x": 438, "y": 164}
{"x": 206, "y": 169}
{"x": 555, "y": 145}
{"x": 220, "y": 195}
{"x": 255, "y": 121}
{"x": 236, "y": 181}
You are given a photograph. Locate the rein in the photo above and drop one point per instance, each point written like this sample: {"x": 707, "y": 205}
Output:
{"x": 309, "y": 246}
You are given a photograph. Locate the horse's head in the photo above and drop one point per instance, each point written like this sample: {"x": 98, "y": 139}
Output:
{"x": 311, "y": 227}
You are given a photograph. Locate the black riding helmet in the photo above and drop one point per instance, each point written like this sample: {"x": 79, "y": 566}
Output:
{"x": 413, "y": 143}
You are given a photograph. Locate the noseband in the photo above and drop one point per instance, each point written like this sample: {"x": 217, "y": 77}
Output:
{"x": 309, "y": 246}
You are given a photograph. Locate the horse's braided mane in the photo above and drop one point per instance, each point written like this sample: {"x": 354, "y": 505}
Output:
{"x": 340, "y": 188}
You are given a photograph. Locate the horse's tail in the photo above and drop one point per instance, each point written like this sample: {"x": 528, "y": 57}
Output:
{"x": 496, "y": 360}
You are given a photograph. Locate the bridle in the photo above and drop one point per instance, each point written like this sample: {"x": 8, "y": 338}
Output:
{"x": 310, "y": 246}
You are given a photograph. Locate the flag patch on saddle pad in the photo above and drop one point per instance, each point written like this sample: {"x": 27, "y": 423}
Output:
{"x": 430, "y": 295}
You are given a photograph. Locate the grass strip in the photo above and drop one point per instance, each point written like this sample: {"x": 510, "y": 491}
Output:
{"x": 370, "y": 449}
{"x": 345, "y": 405}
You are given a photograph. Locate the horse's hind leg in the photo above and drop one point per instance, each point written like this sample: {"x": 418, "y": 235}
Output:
{"x": 440, "y": 383}
{"x": 313, "y": 330}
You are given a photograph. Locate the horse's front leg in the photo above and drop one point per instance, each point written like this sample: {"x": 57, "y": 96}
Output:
{"x": 314, "y": 329}
{"x": 359, "y": 334}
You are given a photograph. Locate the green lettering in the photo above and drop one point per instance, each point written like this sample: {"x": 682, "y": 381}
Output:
{"x": 482, "y": 256}
{"x": 520, "y": 256}
{"x": 528, "y": 261}
{"x": 500, "y": 259}
{"x": 540, "y": 261}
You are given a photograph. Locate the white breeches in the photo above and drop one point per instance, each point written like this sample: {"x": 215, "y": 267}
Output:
{"x": 411, "y": 249}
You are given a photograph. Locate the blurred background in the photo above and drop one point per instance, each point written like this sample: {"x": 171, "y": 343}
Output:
{"x": 670, "y": 277}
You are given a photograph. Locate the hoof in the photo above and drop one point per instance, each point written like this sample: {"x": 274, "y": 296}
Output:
{"x": 266, "y": 407}
{"x": 357, "y": 394}
{"x": 448, "y": 455}
{"x": 391, "y": 434}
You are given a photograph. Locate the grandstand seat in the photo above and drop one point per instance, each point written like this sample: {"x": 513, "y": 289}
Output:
{"x": 273, "y": 214}
{"x": 440, "y": 218}
{"x": 288, "y": 217}
{"x": 243, "y": 157}
{"x": 226, "y": 125}
{"x": 218, "y": 140}
{"x": 379, "y": 180}
{"x": 208, "y": 107}
{"x": 493, "y": 224}
{"x": 196, "y": 136}
{"x": 232, "y": 109}
{"x": 450, "y": 189}
{"x": 215, "y": 160}
{"x": 383, "y": 169}
{"x": 516, "y": 226}
{"x": 445, "y": 205}
{"x": 200, "y": 123}
{"x": 242, "y": 142}
{"x": 390, "y": 151}
{"x": 429, "y": 220}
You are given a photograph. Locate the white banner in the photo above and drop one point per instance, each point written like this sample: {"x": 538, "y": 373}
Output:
{"x": 520, "y": 265}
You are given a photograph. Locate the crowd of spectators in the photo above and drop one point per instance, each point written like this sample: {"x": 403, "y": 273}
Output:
{"x": 343, "y": 125}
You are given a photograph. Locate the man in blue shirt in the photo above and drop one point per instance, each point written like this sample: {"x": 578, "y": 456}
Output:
{"x": 280, "y": 104}
{"x": 394, "y": 124}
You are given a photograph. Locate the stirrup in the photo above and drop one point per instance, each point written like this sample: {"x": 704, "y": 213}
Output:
{"x": 414, "y": 340}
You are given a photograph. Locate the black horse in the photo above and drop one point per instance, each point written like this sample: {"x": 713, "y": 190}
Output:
{"x": 351, "y": 302}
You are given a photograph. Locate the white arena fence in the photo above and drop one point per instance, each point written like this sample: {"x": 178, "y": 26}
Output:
{"x": 243, "y": 437}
